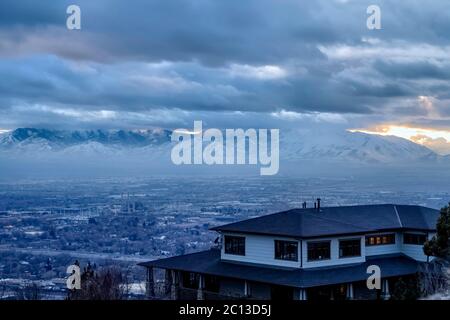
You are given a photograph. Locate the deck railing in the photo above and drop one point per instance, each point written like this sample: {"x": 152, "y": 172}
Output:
{"x": 162, "y": 292}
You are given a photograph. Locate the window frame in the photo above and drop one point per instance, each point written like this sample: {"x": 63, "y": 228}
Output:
{"x": 328, "y": 242}
{"x": 416, "y": 235}
{"x": 285, "y": 243}
{"x": 341, "y": 256}
{"x": 375, "y": 236}
{"x": 237, "y": 247}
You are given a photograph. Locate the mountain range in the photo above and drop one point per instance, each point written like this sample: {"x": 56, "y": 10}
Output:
{"x": 60, "y": 139}
{"x": 294, "y": 144}
{"x": 31, "y": 151}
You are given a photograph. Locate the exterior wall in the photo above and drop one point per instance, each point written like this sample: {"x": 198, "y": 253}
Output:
{"x": 334, "y": 253}
{"x": 261, "y": 250}
{"x": 415, "y": 251}
{"x": 411, "y": 250}
{"x": 385, "y": 248}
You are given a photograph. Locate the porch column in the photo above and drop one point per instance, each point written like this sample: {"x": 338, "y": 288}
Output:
{"x": 201, "y": 288}
{"x": 246, "y": 289}
{"x": 385, "y": 295}
{"x": 167, "y": 282}
{"x": 349, "y": 291}
{"x": 150, "y": 284}
{"x": 300, "y": 294}
{"x": 174, "y": 288}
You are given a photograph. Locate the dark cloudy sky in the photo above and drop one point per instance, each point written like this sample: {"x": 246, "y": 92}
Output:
{"x": 144, "y": 63}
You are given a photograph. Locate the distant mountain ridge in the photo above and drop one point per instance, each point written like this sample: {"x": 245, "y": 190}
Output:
{"x": 60, "y": 139}
{"x": 295, "y": 144}
{"x": 354, "y": 146}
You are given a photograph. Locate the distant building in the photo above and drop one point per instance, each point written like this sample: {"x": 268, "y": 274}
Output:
{"x": 308, "y": 253}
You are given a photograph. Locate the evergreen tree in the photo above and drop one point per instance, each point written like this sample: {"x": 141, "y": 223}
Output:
{"x": 439, "y": 245}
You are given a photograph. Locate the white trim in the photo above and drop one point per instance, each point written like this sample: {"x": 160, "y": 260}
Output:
{"x": 398, "y": 217}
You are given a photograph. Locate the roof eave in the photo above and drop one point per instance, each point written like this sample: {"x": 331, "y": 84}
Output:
{"x": 325, "y": 235}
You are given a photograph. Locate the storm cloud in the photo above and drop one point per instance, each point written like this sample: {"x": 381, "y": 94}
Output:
{"x": 164, "y": 63}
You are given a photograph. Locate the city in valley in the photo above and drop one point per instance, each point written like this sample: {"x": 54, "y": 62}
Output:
{"x": 46, "y": 226}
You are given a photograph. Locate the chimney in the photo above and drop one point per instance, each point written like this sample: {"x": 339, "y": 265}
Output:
{"x": 318, "y": 204}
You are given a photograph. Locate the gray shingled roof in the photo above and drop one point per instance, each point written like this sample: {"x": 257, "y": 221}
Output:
{"x": 208, "y": 262}
{"x": 308, "y": 223}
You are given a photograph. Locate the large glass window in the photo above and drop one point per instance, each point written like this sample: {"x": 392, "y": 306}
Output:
{"x": 381, "y": 239}
{"x": 235, "y": 245}
{"x": 411, "y": 238}
{"x": 286, "y": 250}
{"x": 318, "y": 250}
{"x": 349, "y": 248}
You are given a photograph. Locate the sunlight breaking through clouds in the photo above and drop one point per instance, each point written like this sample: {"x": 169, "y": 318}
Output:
{"x": 435, "y": 139}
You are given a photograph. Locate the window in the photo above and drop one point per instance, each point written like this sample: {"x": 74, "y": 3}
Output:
{"x": 190, "y": 280}
{"x": 380, "y": 239}
{"x": 235, "y": 245}
{"x": 349, "y": 248}
{"x": 286, "y": 250}
{"x": 212, "y": 283}
{"x": 318, "y": 250}
{"x": 411, "y": 238}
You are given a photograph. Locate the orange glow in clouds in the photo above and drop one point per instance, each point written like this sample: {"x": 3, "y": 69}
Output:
{"x": 435, "y": 139}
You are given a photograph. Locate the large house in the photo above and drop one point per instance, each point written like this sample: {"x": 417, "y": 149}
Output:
{"x": 308, "y": 253}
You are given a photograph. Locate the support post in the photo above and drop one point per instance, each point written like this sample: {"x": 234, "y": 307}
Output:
{"x": 201, "y": 287}
{"x": 350, "y": 295}
{"x": 174, "y": 288}
{"x": 300, "y": 294}
{"x": 385, "y": 295}
{"x": 167, "y": 282}
{"x": 304, "y": 294}
{"x": 150, "y": 288}
{"x": 246, "y": 289}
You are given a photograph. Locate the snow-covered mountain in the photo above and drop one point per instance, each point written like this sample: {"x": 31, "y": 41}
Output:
{"x": 295, "y": 144}
{"x": 351, "y": 146}
{"x": 44, "y": 139}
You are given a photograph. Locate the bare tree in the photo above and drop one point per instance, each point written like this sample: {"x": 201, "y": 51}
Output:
{"x": 29, "y": 292}
{"x": 2, "y": 291}
{"x": 434, "y": 277}
{"x": 106, "y": 284}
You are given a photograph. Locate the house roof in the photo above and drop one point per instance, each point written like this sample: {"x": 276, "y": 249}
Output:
{"x": 208, "y": 262}
{"x": 309, "y": 223}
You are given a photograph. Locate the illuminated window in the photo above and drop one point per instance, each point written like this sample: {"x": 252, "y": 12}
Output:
{"x": 380, "y": 239}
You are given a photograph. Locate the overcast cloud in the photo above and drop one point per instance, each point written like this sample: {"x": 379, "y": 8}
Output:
{"x": 165, "y": 63}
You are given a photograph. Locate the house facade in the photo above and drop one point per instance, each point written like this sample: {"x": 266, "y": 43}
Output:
{"x": 305, "y": 254}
